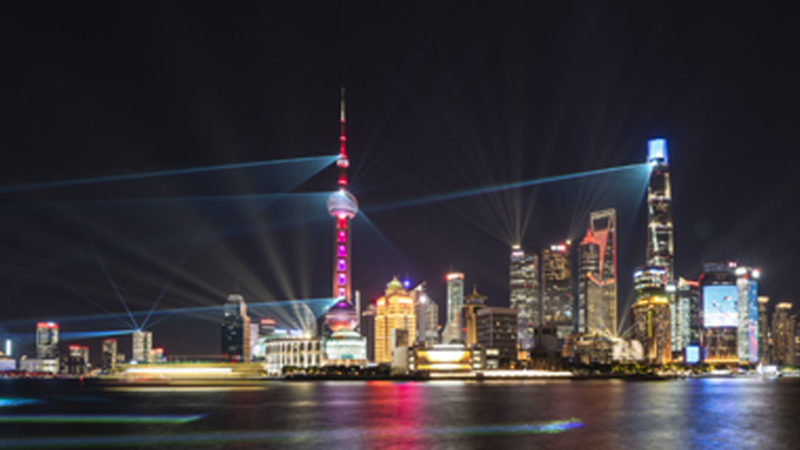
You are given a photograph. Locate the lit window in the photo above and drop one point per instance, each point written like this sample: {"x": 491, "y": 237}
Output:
{"x": 341, "y": 250}
{"x": 341, "y": 292}
{"x": 341, "y": 236}
{"x": 341, "y": 265}
{"x": 341, "y": 279}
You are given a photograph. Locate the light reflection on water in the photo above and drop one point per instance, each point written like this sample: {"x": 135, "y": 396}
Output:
{"x": 707, "y": 413}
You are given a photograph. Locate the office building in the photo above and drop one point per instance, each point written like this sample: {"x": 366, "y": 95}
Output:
{"x": 368, "y": 330}
{"x": 469, "y": 317}
{"x": 427, "y": 314}
{"x": 719, "y": 295}
{"x": 597, "y": 290}
{"x": 78, "y": 360}
{"x": 747, "y": 310}
{"x": 688, "y": 323}
{"x": 651, "y": 315}
{"x": 525, "y": 294}
{"x": 764, "y": 331}
{"x": 455, "y": 300}
{"x": 142, "y": 346}
{"x": 109, "y": 355}
{"x": 395, "y": 310}
{"x": 783, "y": 329}
{"x": 557, "y": 288}
{"x": 497, "y": 329}
{"x": 47, "y": 340}
{"x": 235, "y": 337}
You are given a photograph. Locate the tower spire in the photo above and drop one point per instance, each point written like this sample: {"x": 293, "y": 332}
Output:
{"x": 342, "y": 162}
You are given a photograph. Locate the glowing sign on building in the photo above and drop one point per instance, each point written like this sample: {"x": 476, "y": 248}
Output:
{"x": 719, "y": 306}
{"x": 692, "y": 354}
{"x": 657, "y": 150}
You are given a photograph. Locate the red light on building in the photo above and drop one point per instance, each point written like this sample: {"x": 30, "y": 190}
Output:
{"x": 51, "y": 325}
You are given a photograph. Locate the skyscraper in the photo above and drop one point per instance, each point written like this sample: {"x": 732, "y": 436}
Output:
{"x": 109, "y": 356}
{"x": 469, "y": 317}
{"x": 783, "y": 329}
{"x": 688, "y": 324}
{"x": 235, "y": 340}
{"x": 142, "y": 346}
{"x": 747, "y": 310}
{"x": 525, "y": 294}
{"x": 719, "y": 295}
{"x": 557, "y": 288}
{"x": 47, "y": 340}
{"x": 763, "y": 331}
{"x": 651, "y": 314}
{"x": 342, "y": 206}
{"x": 395, "y": 310}
{"x": 427, "y": 313}
{"x": 597, "y": 291}
{"x": 368, "y": 330}
{"x": 78, "y": 360}
{"x": 455, "y": 300}
{"x": 659, "y": 209}
{"x": 659, "y": 251}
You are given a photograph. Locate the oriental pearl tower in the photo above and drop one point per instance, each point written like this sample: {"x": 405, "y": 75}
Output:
{"x": 342, "y": 206}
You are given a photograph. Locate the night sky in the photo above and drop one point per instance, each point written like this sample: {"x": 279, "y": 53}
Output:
{"x": 441, "y": 97}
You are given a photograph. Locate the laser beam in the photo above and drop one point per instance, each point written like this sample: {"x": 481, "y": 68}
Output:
{"x": 162, "y": 173}
{"x": 502, "y": 187}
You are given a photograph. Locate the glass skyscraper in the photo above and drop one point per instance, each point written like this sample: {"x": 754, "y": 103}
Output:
{"x": 525, "y": 295}
{"x": 557, "y": 288}
{"x": 597, "y": 290}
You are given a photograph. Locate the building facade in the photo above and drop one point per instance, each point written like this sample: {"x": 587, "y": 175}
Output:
{"x": 747, "y": 309}
{"x": 720, "y": 295}
{"x": 651, "y": 315}
{"x": 395, "y": 310}
{"x": 455, "y": 300}
{"x": 597, "y": 293}
{"x": 427, "y": 314}
{"x": 235, "y": 337}
{"x": 764, "y": 354}
{"x": 783, "y": 329}
{"x": 142, "y": 346}
{"x": 469, "y": 317}
{"x": 47, "y": 340}
{"x": 109, "y": 356}
{"x": 497, "y": 329}
{"x": 689, "y": 319}
{"x": 557, "y": 288}
{"x": 525, "y": 294}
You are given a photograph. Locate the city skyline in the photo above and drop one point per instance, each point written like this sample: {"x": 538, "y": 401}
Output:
{"x": 707, "y": 209}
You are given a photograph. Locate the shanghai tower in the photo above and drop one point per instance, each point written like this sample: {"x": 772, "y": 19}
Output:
{"x": 659, "y": 209}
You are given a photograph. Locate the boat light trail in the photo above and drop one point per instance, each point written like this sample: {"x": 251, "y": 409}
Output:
{"x": 339, "y": 435}
{"x": 99, "y": 419}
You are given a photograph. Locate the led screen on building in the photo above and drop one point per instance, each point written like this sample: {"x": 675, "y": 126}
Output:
{"x": 719, "y": 306}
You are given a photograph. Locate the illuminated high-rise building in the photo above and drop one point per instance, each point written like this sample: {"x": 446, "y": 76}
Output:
{"x": 720, "y": 296}
{"x": 659, "y": 209}
{"x": 469, "y": 317}
{"x": 142, "y": 346}
{"x": 688, "y": 323}
{"x": 47, "y": 340}
{"x": 497, "y": 332}
{"x": 763, "y": 331}
{"x": 525, "y": 295}
{"x": 109, "y": 355}
{"x": 342, "y": 206}
{"x": 455, "y": 300}
{"x": 660, "y": 245}
{"x": 427, "y": 313}
{"x": 78, "y": 360}
{"x": 597, "y": 291}
{"x": 557, "y": 288}
{"x": 783, "y": 329}
{"x": 651, "y": 314}
{"x": 747, "y": 309}
{"x": 395, "y": 310}
{"x": 235, "y": 336}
